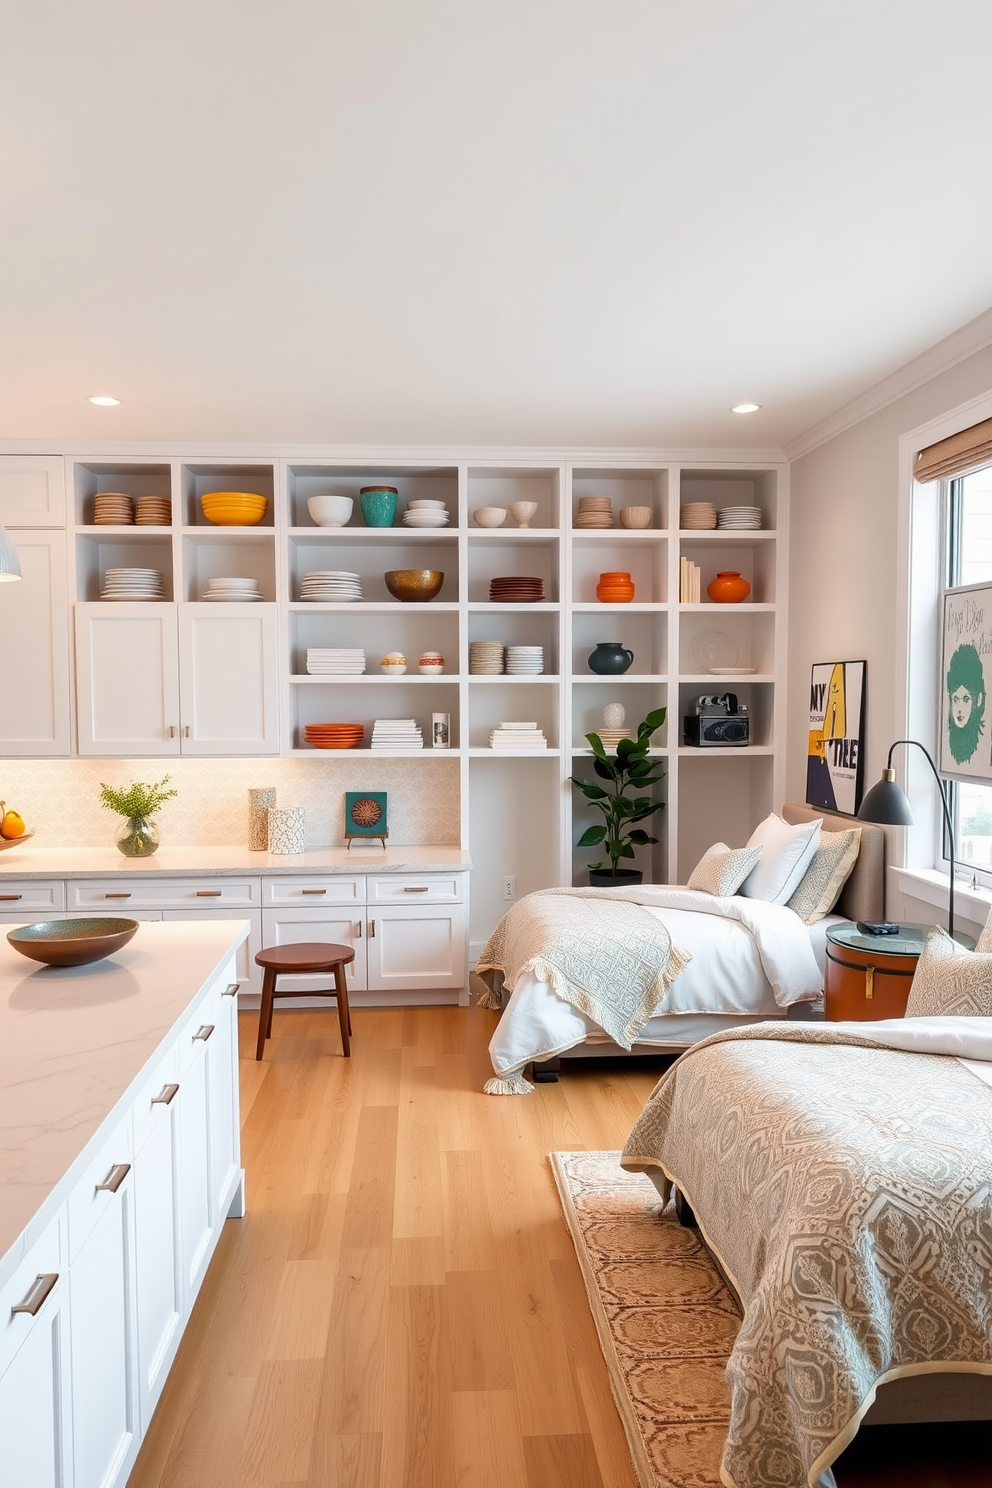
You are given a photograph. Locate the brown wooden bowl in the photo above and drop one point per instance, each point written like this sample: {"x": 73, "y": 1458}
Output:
{"x": 73, "y": 942}
{"x": 414, "y": 583}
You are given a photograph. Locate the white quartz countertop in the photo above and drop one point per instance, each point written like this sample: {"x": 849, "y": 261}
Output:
{"x": 73, "y": 1042}
{"x": 208, "y": 862}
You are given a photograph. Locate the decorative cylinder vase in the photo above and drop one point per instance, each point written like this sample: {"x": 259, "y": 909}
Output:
{"x": 287, "y": 829}
{"x": 259, "y": 802}
{"x": 615, "y": 588}
{"x": 728, "y": 587}
{"x": 378, "y": 505}
{"x": 609, "y": 658}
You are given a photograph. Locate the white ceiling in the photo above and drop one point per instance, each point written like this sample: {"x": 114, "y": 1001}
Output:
{"x": 482, "y": 221}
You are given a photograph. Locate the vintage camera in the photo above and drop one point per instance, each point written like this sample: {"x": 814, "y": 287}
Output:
{"x": 719, "y": 719}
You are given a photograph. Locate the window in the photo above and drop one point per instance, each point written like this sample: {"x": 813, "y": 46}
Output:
{"x": 968, "y": 525}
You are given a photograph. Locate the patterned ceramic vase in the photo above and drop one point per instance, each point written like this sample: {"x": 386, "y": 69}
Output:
{"x": 259, "y": 802}
{"x": 378, "y": 505}
{"x": 287, "y": 829}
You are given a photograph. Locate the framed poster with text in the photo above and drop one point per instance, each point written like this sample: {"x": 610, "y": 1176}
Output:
{"x": 834, "y": 758}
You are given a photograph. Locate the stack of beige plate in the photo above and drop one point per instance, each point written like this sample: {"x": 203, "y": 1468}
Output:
{"x": 594, "y": 511}
{"x": 113, "y": 509}
{"x": 485, "y": 658}
{"x": 611, "y": 737}
{"x": 153, "y": 511}
{"x": 697, "y": 516}
{"x": 740, "y": 518}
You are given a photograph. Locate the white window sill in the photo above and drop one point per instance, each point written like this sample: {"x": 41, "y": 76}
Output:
{"x": 932, "y": 888}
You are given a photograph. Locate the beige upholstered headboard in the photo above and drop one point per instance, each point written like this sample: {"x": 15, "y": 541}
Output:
{"x": 863, "y": 897}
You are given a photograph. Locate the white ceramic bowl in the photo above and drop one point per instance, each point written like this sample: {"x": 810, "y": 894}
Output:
{"x": 330, "y": 511}
{"x": 490, "y": 516}
{"x": 523, "y": 512}
{"x": 635, "y": 516}
{"x": 422, "y": 504}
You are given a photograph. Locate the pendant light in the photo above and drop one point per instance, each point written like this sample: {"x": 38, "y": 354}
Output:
{"x": 10, "y": 567}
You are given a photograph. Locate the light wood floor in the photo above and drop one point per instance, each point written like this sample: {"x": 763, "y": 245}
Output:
{"x": 402, "y": 1307}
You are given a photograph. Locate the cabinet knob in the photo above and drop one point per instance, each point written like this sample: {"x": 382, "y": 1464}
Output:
{"x": 358, "y": 929}
{"x": 372, "y": 929}
{"x": 172, "y": 730}
{"x": 114, "y": 1178}
{"x": 232, "y": 990}
{"x": 35, "y": 1300}
{"x": 203, "y": 1032}
{"x": 165, "y": 1096}
{"x": 186, "y": 731}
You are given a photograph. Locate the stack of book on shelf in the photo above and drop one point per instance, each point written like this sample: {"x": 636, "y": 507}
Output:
{"x": 517, "y": 736}
{"x": 334, "y": 660}
{"x": 396, "y": 733}
{"x": 689, "y": 582}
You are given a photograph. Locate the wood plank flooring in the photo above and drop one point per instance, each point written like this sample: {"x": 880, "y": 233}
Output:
{"x": 401, "y": 1306}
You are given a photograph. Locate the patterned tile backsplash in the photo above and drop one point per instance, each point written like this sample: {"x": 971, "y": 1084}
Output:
{"x": 60, "y": 799}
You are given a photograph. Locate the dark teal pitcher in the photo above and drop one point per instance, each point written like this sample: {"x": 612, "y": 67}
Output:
{"x": 609, "y": 659}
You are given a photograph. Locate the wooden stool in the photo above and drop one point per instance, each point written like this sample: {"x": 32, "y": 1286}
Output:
{"x": 309, "y": 956}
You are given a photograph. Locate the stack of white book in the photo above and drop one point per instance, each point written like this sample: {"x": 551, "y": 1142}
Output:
{"x": 517, "y": 736}
{"x": 396, "y": 733}
{"x": 689, "y": 582}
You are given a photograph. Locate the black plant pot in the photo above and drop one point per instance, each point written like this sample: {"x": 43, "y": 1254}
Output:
{"x": 605, "y": 878}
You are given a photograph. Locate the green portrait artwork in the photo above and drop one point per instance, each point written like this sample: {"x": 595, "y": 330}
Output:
{"x": 966, "y": 702}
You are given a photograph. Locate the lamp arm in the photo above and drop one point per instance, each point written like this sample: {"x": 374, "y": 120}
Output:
{"x": 947, "y": 816}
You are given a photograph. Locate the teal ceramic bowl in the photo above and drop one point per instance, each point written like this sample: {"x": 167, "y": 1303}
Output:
{"x": 378, "y": 505}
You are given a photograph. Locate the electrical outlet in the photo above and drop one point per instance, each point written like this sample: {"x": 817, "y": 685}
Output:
{"x": 509, "y": 886}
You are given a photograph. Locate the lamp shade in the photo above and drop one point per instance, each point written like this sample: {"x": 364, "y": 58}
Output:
{"x": 10, "y": 567}
{"x": 887, "y": 804}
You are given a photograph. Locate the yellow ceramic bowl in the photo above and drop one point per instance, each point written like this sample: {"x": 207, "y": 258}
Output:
{"x": 234, "y": 519}
{"x": 250, "y": 496}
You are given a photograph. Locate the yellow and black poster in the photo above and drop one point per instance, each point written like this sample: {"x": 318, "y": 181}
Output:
{"x": 834, "y": 760}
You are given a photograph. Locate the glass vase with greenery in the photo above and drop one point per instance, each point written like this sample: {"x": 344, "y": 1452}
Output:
{"x": 137, "y": 803}
{"x": 627, "y": 775}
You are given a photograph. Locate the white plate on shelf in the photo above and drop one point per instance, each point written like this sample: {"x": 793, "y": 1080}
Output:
{"x": 714, "y": 651}
{"x": 738, "y": 671}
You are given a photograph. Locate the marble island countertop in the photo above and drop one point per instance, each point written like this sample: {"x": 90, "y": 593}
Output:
{"x": 74, "y": 1042}
{"x": 206, "y": 862}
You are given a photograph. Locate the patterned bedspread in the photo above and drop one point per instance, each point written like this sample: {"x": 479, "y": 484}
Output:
{"x": 846, "y": 1190}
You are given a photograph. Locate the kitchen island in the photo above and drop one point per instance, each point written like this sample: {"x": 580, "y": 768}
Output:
{"x": 119, "y": 1162}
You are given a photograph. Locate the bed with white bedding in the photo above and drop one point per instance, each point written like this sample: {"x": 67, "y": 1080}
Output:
{"x": 742, "y": 961}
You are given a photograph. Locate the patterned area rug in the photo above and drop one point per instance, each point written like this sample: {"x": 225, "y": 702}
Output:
{"x": 665, "y": 1319}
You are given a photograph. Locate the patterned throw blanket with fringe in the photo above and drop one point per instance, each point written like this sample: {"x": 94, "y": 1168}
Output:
{"x": 608, "y": 958}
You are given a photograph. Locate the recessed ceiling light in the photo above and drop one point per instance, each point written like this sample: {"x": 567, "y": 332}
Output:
{"x": 745, "y": 408}
{"x": 104, "y": 400}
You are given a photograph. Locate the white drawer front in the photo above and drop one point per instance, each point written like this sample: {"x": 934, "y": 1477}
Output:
{"x": 46, "y": 1258}
{"x": 163, "y": 893}
{"x": 310, "y": 893}
{"x": 33, "y": 896}
{"x": 152, "y": 1102}
{"x": 416, "y": 888}
{"x": 90, "y": 1198}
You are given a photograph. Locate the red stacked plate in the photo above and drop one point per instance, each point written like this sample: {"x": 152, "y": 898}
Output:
{"x": 516, "y": 589}
{"x": 334, "y": 735}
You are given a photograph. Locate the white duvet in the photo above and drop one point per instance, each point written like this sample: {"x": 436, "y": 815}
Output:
{"x": 749, "y": 960}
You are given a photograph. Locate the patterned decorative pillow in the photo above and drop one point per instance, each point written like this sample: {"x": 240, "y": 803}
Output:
{"x": 722, "y": 869}
{"x": 950, "y": 980}
{"x": 826, "y": 875}
{"x": 985, "y": 939}
{"x": 787, "y": 852}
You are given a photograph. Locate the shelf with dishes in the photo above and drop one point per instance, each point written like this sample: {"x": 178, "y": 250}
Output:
{"x": 738, "y": 497}
{"x": 620, "y": 501}
{"x": 378, "y": 572}
{"x": 527, "y": 494}
{"x": 329, "y": 497}
{"x": 619, "y": 640}
{"x": 389, "y": 721}
{"x": 514, "y": 715}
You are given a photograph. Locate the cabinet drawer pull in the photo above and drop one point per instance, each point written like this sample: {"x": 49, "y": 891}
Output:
{"x": 419, "y": 889}
{"x": 203, "y": 1032}
{"x": 209, "y": 893}
{"x": 358, "y": 929}
{"x": 114, "y": 1178}
{"x": 232, "y": 990}
{"x": 172, "y": 730}
{"x": 8, "y": 897}
{"x": 314, "y": 891}
{"x": 166, "y": 1095}
{"x": 124, "y": 894}
{"x": 372, "y": 929}
{"x": 36, "y": 1298}
{"x": 186, "y": 731}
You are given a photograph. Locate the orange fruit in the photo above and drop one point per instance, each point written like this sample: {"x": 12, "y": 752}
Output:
{"x": 12, "y": 824}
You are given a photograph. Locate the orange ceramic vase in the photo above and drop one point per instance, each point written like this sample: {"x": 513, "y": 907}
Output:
{"x": 615, "y": 588}
{"x": 728, "y": 588}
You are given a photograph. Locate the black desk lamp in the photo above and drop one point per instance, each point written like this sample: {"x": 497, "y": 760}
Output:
{"x": 887, "y": 805}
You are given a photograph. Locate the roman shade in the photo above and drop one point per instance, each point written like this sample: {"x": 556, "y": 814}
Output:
{"x": 957, "y": 453}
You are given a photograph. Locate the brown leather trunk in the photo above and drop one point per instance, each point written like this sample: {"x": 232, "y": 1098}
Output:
{"x": 866, "y": 985}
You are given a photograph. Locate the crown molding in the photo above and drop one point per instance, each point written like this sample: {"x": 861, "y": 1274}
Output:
{"x": 940, "y": 357}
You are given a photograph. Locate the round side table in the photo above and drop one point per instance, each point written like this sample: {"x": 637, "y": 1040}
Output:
{"x": 869, "y": 976}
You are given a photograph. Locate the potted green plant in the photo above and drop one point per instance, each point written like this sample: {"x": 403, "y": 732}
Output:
{"x": 627, "y": 774}
{"x": 137, "y": 803}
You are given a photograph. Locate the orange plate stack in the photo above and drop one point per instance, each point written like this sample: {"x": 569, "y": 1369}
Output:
{"x": 334, "y": 735}
{"x": 615, "y": 588}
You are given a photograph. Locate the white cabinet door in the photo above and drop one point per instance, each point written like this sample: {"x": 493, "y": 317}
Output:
{"x": 222, "y": 1084}
{"x": 101, "y": 1315}
{"x": 34, "y": 618}
{"x": 127, "y": 679}
{"x": 32, "y": 491}
{"x": 35, "y": 1429}
{"x": 158, "y": 1277}
{"x": 416, "y": 947}
{"x": 338, "y": 926}
{"x": 229, "y": 691}
{"x": 195, "y": 1199}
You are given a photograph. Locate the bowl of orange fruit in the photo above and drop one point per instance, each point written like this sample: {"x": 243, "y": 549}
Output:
{"x": 13, "y": 828}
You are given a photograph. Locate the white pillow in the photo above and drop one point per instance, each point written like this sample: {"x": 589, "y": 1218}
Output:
{"x": 722, "y": 869}
{"x": 786, "y": 853}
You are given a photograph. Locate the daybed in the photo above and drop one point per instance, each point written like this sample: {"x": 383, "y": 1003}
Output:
{"x": 742, "y": 961}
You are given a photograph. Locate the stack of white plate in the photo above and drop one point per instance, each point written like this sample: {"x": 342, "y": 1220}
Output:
{"x": 331, "y": 586}
{"x": 349, "y": 660}
{"x": 524, "y": 661}
{"x": 396, "y": 733}
{"x": 594, "y": 511}
{"x": 132, "y": 583}
{"x": 232, "y": 591}
{"x": 697, "y": 516}
{"x": 113, "y": 509}
{"x": 740, "y": 517}
{"x": 485, "y": 658}
{"x": 517, "y": 736}
{"x": 425, "y": 514}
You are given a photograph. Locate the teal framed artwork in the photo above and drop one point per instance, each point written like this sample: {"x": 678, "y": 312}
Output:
{"x": 365, "y": 816}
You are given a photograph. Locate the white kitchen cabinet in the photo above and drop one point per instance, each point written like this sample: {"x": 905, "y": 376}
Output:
{"x": 163, "y": 679}
{"x": 413, "y": 948}
{"x": 32, "y": 491}
{"x": 158, "y": 1278}
{"x": 225, "y": 1105}
{"x": 194, "y": 1199}
{"x": 339, "y": 925}
{"x": 36, "y": 668}
{"x": 35, "y": 1418}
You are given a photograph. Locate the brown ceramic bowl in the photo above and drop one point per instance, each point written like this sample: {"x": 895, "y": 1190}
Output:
{"x": 414, "y": 583}
{"x": 71, "y": 942}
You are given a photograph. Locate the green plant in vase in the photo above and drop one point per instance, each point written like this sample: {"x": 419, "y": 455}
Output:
{"x": 137, "y": 803}
{"x": 627, "y": 775}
